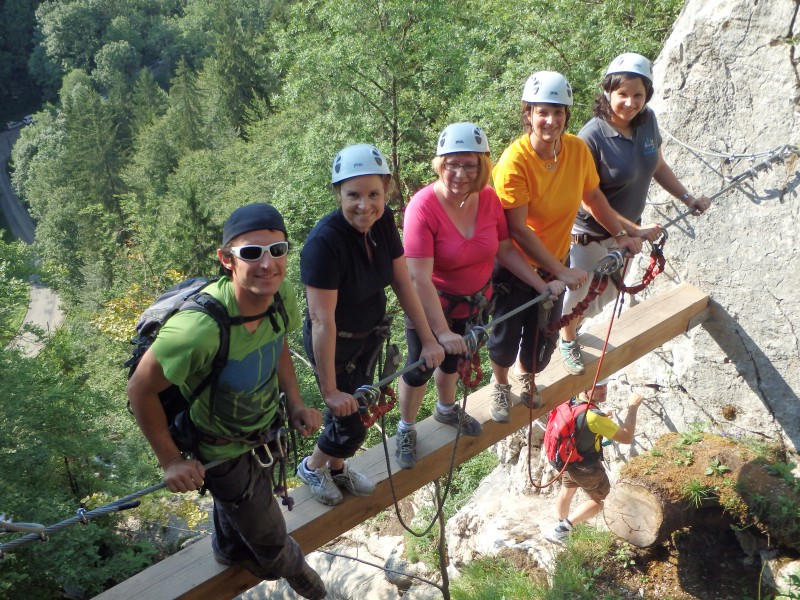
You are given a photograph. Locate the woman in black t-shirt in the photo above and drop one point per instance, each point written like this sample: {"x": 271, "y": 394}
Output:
{"x": 347, "y": 261}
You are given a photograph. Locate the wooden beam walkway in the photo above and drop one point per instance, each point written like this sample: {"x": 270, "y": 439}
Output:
{"x": 192, "y": 573}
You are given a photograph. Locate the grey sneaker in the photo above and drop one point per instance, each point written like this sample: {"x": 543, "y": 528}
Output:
{"x": 533, "y": 400}
{"x": 469, "y": 426}
{"x": 308, "y": 584}
{"x": 354, "y": 482}
{"x": 406, "y": 451}
{"x": 571, "y": 355}
{"x": 501, "y": 402}
{"x": 320, "y": 483}
{"x": 560, "y": 534}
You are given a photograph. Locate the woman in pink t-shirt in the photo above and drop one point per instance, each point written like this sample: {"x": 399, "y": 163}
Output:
{"x": 454, "y": 229}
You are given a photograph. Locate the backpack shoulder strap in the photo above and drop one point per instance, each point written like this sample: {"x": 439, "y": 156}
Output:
{"x": 207, "y": 304}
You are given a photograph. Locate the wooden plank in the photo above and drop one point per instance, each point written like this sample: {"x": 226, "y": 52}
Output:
{"x": 192, "y": 573}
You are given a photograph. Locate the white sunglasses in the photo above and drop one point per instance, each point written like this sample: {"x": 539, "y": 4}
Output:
{"x": 253, "y": 252}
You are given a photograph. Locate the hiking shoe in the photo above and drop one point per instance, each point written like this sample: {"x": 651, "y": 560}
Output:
{"x": 531, "y": 400}
{"x": 560, "y": 534}
{"x": 354, "y": 482}
{"x": 320, "y": 483}
{"x": 406, "y": 450}
{"x": 501, "y": 402}
{"x": 469, "y": 426}
{"x": 571, "y": 357}
{"x": 308, "y": 584}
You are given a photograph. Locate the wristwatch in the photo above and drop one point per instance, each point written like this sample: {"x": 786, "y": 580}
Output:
{"x": 686, "y": 196}
{"x": 620, "y": 234}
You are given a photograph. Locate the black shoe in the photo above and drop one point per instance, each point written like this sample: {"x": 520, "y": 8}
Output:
{"x": 308, "y": 584}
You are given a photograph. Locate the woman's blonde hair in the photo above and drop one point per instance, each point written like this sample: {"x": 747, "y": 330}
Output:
{"x": 484, "y": 169}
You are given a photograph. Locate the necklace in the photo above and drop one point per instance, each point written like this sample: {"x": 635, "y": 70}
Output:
{"x": 549, "y": 165}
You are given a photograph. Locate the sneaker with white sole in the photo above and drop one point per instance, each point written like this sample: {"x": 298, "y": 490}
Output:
{"x": 571, "y": 357}
{"x": 406, "y": 449}
{"x": 354, "y": 482}
{"x": 469, "y": 425}
{"x": 321, "y": 483}
{"x": 561, "y": 532}
{"x": 501, "y": 402}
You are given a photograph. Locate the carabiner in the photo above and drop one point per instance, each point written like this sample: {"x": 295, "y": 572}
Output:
{"x": 270, "y": 460}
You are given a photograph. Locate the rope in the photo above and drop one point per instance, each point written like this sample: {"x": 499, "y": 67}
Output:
{"x": 383, "y": 568}
{"x": 591, "y": 394}
{"x": 83, "y": 516}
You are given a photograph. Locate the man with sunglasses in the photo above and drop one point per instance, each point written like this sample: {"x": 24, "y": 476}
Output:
{"x": 239, "y": 430}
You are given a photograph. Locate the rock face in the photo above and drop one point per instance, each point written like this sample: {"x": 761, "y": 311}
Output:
{"x": 727, "y": 86}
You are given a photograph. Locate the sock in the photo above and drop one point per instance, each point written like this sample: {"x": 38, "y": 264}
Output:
{"x": 404, "y": 426}
{"x": 567, "y": 523}
{"x": 444, "y": 408}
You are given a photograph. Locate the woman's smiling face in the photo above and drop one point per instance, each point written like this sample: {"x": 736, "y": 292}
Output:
{"x": 363, "y": 200}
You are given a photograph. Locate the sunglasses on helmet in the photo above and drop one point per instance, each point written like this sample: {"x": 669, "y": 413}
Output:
{"x": 252, "y": 253}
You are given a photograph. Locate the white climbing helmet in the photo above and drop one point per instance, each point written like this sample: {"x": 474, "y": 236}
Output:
{"x": 547, "y": 87}
{"x": 462, "y": 137}
{"x": 356, "y": 160}
{"x": 630, "y": 62}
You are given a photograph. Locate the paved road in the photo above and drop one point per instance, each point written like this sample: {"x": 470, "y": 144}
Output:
{"x": 44, "y": 307}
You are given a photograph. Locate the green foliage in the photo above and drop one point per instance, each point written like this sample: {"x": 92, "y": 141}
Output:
{"x": 624, "y": 555}
{"x": 15, "y": 261}
{"x": 62, "y": 442}
{"x": 715, "y": 467}
{"x": 492, "y": 579}
{"x": 689, "y": 437}
{"x": 786, "y": 472}
{"x": 579, "y": 564}
{"x": 696, "y": 493}
{"x": 686, "y": 458}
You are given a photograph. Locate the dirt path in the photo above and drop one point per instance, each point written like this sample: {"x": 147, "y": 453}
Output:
{"x": 44, "y": 306}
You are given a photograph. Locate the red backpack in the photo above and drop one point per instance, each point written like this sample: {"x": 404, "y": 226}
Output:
{"x": 559, "y": 437}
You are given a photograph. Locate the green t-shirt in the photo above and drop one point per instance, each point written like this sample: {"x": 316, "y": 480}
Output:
{"x": 247, "y": 389}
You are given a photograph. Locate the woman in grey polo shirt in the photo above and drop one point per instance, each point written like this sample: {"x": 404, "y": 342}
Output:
{"x": 625, "y": 143}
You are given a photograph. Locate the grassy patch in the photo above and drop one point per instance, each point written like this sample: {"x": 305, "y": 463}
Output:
{"x": 494, "y": 579}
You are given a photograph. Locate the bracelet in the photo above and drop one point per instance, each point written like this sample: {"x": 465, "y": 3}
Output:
{"x": 622, "y": 233}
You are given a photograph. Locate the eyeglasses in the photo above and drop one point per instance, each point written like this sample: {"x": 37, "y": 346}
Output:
{"x": 470, "y": 168}
{"x": 253, "y": 253}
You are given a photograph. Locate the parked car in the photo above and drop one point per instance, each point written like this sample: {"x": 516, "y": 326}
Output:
{"x": 27, "y": 119}
{"x": 14, "y": 125}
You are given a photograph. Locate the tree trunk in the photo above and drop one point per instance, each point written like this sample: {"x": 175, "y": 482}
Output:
{"x": 642, "y": 515}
